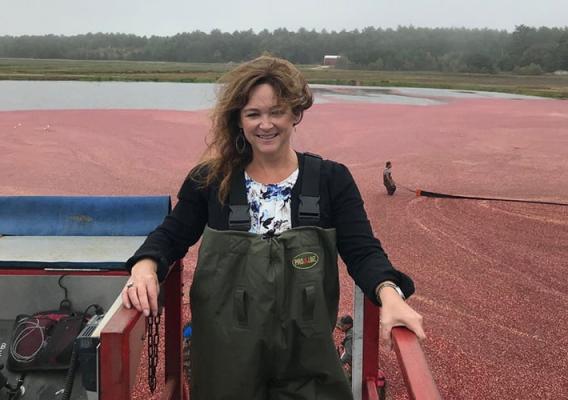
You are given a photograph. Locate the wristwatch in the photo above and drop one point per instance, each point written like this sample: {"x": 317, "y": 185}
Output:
{"x": 390, "y": 284}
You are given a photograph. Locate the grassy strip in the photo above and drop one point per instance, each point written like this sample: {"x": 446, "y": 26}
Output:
{"x": 24, "y": 69}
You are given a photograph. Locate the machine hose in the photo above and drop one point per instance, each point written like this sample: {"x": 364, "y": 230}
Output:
{"x": 70, "y": 379}
{"x": 424, "y": 193}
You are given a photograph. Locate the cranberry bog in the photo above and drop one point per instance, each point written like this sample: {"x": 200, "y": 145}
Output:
{"x": 490, "y": 275}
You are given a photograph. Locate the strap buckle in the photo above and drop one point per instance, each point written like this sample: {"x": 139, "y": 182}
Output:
{"x": 309, "y": 211}
{"x": 239, "y": 218}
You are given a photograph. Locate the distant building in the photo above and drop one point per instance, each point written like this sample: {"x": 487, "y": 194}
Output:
{"x": 330, "y": 60}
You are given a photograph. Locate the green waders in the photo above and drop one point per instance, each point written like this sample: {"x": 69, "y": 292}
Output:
{"x": 264, "y": 306}
{"x": 263, "y": 312}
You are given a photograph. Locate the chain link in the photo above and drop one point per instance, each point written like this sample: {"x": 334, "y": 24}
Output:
{"x": 152, "y": 325}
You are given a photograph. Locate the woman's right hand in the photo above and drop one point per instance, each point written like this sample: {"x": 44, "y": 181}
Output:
{"x": 142, "y": 289}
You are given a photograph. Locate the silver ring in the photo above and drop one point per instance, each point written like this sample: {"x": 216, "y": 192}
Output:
{"x": 129, "y": 285}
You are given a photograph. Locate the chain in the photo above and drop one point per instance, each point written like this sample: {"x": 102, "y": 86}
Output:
{"x": 152, "y": 324}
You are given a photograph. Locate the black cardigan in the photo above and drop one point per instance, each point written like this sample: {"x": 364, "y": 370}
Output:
{"x": 341, "y": 207}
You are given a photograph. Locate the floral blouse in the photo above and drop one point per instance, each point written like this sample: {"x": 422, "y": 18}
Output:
{"x": 270, "y": 208}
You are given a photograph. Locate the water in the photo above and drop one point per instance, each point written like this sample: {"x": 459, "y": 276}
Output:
{"x": 58, "y": 95}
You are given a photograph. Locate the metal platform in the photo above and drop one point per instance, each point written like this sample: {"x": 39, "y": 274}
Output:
{"x": 81, "y": 244}
{"x": 68, "y": 252}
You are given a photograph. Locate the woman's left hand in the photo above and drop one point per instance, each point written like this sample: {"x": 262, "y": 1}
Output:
{"x": 395, "y": 312}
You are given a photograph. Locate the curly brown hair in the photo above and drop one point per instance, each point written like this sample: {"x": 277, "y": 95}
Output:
{"x": 221, "y": 158}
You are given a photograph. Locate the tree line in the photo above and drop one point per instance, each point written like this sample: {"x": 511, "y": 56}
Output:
{"x": 527, "y": 49}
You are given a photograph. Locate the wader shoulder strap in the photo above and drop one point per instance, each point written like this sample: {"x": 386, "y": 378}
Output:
{"x": 308, "y": 210}
{"x": 239, "y": 216}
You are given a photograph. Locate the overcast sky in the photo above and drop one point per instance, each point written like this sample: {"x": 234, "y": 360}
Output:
{"x": 168, "y": 17}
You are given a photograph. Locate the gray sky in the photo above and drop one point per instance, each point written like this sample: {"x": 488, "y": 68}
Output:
{"x": 168, "y": 17}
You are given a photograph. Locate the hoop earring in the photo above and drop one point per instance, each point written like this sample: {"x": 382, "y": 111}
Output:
{"x": 240, "y": 143}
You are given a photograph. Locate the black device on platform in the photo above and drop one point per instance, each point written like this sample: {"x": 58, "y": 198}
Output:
{"x": 44, "y": 340}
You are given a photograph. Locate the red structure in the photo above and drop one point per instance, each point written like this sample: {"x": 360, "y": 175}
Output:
{"x": 122, "y": 341}
{"x": 331, "y": 60}
{"x": 415, "y": 370}
{"x": 122, "y": 333}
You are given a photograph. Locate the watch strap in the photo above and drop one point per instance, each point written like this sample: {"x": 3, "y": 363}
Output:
{"x": 390, "y": 284}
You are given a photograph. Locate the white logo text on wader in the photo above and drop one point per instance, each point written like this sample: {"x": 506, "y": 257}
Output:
{"x": 305, "y": 260}
{"x": 2, "y": 348}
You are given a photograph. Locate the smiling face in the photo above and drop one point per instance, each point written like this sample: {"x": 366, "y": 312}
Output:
{"x": 267, "y": 123}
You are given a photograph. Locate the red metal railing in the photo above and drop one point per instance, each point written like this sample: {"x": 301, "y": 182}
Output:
{"x": 122, "y": 341}
{"x": 173, "y": 301}
{"x": 415, "y": 370}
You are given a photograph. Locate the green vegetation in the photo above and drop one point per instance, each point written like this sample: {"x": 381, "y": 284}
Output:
{"x": 523, "y": 61}
{"x": 26, "y": 69}
{"x": 548, "y": 85}
{"x": 526, "y": 50}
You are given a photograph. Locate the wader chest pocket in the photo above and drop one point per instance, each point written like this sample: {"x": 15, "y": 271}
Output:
{"x": 308, "y": 303}
{"x": 240, "y": 302}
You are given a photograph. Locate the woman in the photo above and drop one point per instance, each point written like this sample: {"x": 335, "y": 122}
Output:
{"x": 265, "y": 293}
